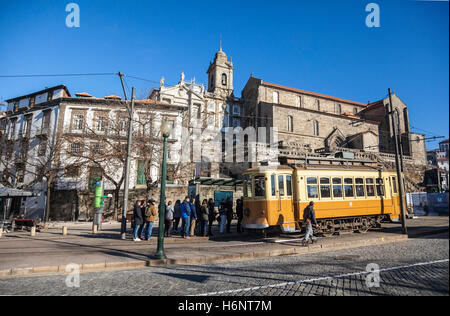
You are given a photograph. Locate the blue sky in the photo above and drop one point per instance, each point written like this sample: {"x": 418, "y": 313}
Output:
{"x": 321, "y": 46}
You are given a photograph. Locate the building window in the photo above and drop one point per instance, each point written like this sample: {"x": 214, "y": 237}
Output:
{"x": 122, "y": 124}
{"x": 211, "y": 120}
{"x": 224, "y": 79}
{"x": 236, "y": 122}
{"x": 315, "y": 126}
{"x": 338, "y": 109}
{"x": 77, "y": 122}
{"x": 170, "y": 175}
{"x": 75, "y": 148}
{"x": 290, "y": 124}
{"x": 72, "y": 171}
{"x": 236, "y": 110}
{"x": 42, "y": 148}
{"x": 276, "y": 96}
{"x": 211, "y": 107}
{"x": 140, "y": 179}
{"x": 46, "y": 119}
{"x": 21, "y": 174}
{"x": 27, "y": 125}
{"x": 298, "y": 101}
{"x": 355, "y": 110}
{"x": 317, "y": 105}
{"x": 102, "y": 123}
{"x": 97, "y": 149}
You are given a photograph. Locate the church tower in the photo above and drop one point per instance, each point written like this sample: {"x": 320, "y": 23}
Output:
{"x": 220, "y": 75}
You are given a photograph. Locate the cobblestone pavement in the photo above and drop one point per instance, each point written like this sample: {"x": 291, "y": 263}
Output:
{"x": 414, "y": 267}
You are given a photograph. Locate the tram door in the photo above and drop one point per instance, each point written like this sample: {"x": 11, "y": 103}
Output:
{"x": 394, "y": 194}
{"x": 285, "y": 202}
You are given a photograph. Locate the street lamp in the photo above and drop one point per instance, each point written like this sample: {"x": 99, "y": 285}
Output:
{"x": 166, "y": 130}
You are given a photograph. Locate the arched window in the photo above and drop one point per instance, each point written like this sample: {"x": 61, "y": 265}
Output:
{"x": 290, "y": 123}
{"x": 338, "y": 109}
{"x": 299, "y": 101}
{"x": 317, "y": 105}
{"x": 315, "y": 126}
{"x": 224, "y": 79}
{"x": 275, "y": 97}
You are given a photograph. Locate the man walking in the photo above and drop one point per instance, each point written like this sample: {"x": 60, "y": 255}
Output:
{"x": 229, "y": 213}
{"x": 309, "y": 218}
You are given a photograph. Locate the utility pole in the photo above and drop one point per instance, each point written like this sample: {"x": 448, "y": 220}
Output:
{"x": 398, "y": 164}
{"x": 123, "y": 88}
{"x": 123, "y": 229}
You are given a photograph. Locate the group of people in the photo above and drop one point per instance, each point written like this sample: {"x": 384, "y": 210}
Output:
{"x": 190, "y": 213}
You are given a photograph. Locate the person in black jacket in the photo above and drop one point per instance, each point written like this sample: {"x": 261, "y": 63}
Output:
{"x": 240, "y": 214}
{"x": 229, "y": 213}
{"x": 138, "y": 220}
{"x": 212, "y": 215}
{"x": 309, "y": 218}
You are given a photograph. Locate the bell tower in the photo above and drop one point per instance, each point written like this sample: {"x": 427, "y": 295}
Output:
{"x": 220, "y": 75}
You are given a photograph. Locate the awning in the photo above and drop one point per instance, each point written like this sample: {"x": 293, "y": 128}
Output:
{"x": 216, "y": 181}
{"x": 6, "y": 192}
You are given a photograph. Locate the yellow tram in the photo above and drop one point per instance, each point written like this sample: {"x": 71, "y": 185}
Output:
{"x": 346, "y": 198}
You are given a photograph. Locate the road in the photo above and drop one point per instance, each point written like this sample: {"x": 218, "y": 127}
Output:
{"x": 414, "y": 267}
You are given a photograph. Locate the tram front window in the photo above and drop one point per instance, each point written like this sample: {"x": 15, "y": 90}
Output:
{"x": 260, "y": 186}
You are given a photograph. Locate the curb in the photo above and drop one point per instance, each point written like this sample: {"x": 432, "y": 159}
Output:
{"x": 201, "y": 260}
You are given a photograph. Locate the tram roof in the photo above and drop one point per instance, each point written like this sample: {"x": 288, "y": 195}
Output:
{"x": 316, "y": 167}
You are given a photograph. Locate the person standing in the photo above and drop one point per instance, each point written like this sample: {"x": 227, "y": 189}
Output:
{"x": 204, "y": 218}
{"x": 193, "y": 217}
{"x": 212, "y": 215}
{"x": 185, "y": 212}
{"x": 240, "y": 214}
{"x": 309, "y": 218}
{"x": 176, "y": 216}
{"x": 223, "y": 216}
{"x": 138, "y": 221}
{"x": 169, "y": 219}
{"x": 229, "y": 213}
{"x": 149, "y": 218}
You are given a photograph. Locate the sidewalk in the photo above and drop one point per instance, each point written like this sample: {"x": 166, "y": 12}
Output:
{"x": 49, "y": 252}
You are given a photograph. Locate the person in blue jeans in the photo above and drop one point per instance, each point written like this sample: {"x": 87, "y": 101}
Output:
{"x": 185, "y": 210}
{"x": 138, "y": 220}
{"x": 309, "y": 217}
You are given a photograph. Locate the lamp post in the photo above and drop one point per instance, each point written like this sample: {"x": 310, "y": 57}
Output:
{"x": 166, "y": 130}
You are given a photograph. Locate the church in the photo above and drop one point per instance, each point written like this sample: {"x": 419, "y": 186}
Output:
{"x": 305, "y": 123}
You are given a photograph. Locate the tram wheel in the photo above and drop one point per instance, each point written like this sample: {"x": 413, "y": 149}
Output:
{"x": 364, "y": 226}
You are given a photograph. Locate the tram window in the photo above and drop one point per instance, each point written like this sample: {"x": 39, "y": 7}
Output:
{"x": 370, "y": 187}
{"x": 348, "y": 187}
{"x": 337, "y": 187}
{"x": 272, "y": 185}
{"x": 260, "y": 186}
{"x": 359, "y": 186}
{"x": 380, "y": 187}
{"x": 289, "y": 185}
{"x": 281, "y": 185}
{"x": 394, "y": 184}
{"x": 313, "y": 192}
{"x": 325, "y": 190}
